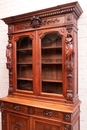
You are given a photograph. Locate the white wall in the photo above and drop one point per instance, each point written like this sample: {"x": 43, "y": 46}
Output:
{"x": 15, "y": 7}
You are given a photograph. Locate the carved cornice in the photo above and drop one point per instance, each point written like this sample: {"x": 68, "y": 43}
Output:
{"x": 57, "y": 10}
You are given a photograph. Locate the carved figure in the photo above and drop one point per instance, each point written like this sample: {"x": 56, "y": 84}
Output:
{"x": 69, "y": 47}
{"x": 8, "y": 52}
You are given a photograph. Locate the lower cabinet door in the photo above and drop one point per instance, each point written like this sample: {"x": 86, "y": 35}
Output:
{"x": 43, "y": 124}
{"x": 17, "y": 122}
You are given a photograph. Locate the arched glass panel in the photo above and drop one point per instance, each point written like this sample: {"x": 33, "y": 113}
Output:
{"x": 24, "y": 64}
{"x": 51, "y": 57}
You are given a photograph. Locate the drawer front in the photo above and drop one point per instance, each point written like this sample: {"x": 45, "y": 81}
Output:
{"x": 46, "y": 113}
{"x": 17, "y": 108}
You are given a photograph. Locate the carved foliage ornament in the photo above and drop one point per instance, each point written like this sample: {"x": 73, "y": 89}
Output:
{"x": 18, "y": 126}
{"x": 16, "y": 107}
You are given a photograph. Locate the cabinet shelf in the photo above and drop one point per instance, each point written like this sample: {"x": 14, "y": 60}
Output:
{"x": 25, "y": 49}
{"x": 52, "y": 47}
{"x": 51, "y": 63}
{"x": 24, "y": 63}
{"x": 51, "y": 80}
{"x": 27, "y": 79}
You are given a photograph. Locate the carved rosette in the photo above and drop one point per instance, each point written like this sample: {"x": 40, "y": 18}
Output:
{"x": 67, "y": 117}
{"x": 69, "y": 64}
{"x": 67, "y": 127}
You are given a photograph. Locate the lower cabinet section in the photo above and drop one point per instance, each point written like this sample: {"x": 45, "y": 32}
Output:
{"x": 38, "y": 116}
{"x": 17, "y": 122}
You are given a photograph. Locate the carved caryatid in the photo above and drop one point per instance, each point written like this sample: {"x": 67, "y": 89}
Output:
{"x": 8, "y": 55}
{"x": 35, "y": 22}
{"x": 69, "y": 47}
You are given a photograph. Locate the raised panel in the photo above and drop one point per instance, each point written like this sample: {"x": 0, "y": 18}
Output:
{"x": 39, "y": 124}
{"x": 17, "y": 122}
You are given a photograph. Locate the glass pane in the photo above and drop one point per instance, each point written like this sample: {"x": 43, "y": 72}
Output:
{"x": 24, "y": 64}
{"x": 51, "y": 57}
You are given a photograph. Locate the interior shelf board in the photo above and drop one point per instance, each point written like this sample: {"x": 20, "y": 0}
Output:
{"x": 52, "y": 47}
{"x": 49, "y": 80}
{"x": 28, "y": 79}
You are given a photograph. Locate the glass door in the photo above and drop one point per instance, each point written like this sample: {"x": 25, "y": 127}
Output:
{"x": 51, "y": 64}
{"x": 24, "y": 64}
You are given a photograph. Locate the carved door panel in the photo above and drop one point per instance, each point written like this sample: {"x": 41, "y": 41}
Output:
{"x": 39, "y": 124}
{"x": 17, "y": 122}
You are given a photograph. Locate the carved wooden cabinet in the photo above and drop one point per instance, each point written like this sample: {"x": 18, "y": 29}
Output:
{"x": 42, "y": 59}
